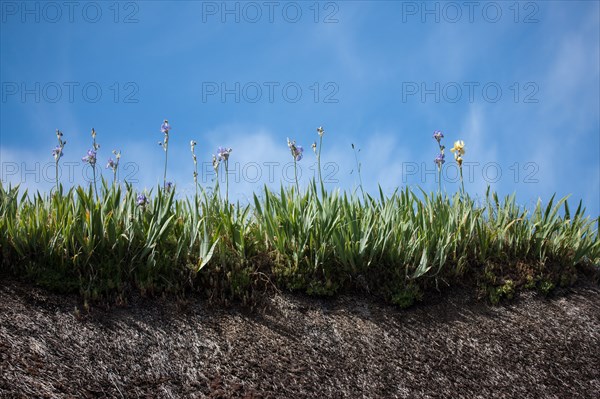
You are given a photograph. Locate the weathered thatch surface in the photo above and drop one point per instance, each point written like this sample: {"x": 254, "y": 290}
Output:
{"x": 451, "y": 347}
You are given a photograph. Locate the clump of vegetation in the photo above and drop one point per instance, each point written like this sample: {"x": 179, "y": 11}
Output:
{"x": 108, "y": 242}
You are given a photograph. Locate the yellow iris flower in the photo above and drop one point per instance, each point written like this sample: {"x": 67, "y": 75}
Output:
{"x": 458, "y": 149}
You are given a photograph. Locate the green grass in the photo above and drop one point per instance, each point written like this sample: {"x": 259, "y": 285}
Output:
{"x": 396, "y": 247}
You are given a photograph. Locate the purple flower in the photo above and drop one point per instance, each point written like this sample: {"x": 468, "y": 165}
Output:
{"x": 57, "y": 152}
{"x": 168, "y": 186}
{"x": 223, "y": 153}
{"x": 111, "y": 164}
{"x": 438, "y": 135}
{"x": 439, "y": 160}
{"x": 142, "y": 200}
{"x": 296, "y": 150}
{"x": 165, "y": 127}
{"x": 90, "y": 157}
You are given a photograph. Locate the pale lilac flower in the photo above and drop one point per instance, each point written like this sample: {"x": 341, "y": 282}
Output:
{"x": 168, "y": 186}
{"x": 90, "y": 157}
{"x": 438, "y": 135}
{"x": 320, "y": 131}
{"x": 296, "y": 149}
{"x": 142, "y": 200}
{"x": 57, "y": 152}
{"x": 439, "y": 160}
{"x": 165, "y": 127}
{"x": 114, "y": 165}
{"x": 223, "y": 153}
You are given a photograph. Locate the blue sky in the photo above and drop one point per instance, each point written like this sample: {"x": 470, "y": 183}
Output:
{"x": 518, "y": 82}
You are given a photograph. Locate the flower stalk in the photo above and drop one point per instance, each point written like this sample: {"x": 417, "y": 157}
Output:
{"x": 164, "y": 128}
{"x": 91, "y": 158}
{"x": 193, "y": 149}
{"x": 114, "y": 164}
{"x": 320, "y": 132}
{"x": 57, "y": 153}
{"x": 296, "y": 151}
{"x": 459, "y": 151}
{"x": 440, "y": 158}
{"x": 223, "y": 156}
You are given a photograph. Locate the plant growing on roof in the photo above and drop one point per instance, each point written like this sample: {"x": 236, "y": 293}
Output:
{"x": 57, "y": 152}
{"x": 165, "y": 128}
{"x": 440, "y": 158}
{"x": 459, "y": 151}
{"x": 193, "y": 149}
{"x": 296, "y": 151}
{"x": 114, "y": 164}
{"x": 91, "y": 158}
{"x": 223, "y": 156}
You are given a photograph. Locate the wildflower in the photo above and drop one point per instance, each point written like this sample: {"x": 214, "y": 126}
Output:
{"x": 95, "y": 145}
{"x": 438, "y": 135}
{"x": 142, "y": 200}
{"x": 165, "y": 127}
{"x": 90, "y": 157}
{"x": 114, "y": 165}
{"x": 296, "y": 150}
{"x": 215, "y": 163}
{"x": 168, "y": 186}
{"x": 57, "y": 152}
{"x": 223, "y": 153}
{"x": 321, "y": 132}
{"x": 192, "y": 148}
{"x": 439, "y": 160}
{"x": 458, "y": 149}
